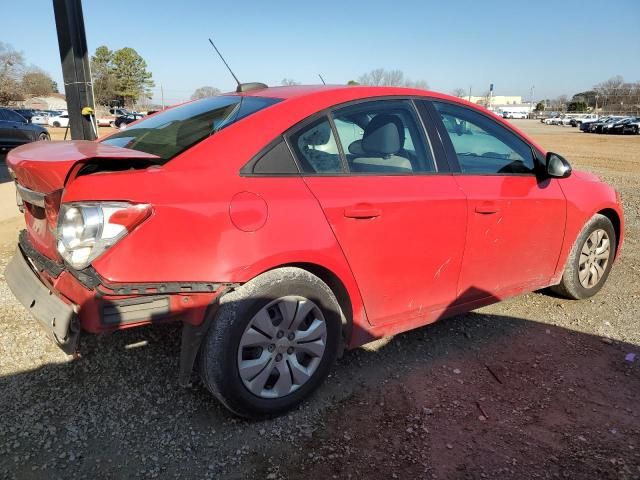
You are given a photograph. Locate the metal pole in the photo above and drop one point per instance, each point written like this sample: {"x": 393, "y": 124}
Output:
{"x": 533, "y": 90}
{"x": 74, "y": 55}
{"x": 162, "y": 95}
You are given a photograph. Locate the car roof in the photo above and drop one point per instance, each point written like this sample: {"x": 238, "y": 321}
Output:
{"x": 294, "y": 91}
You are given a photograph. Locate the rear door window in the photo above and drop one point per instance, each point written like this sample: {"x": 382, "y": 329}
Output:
{"x": 383, "y": 137}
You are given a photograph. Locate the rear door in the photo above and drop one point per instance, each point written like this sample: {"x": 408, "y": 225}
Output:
{"x": 516, "y": 216}
{"x": 398, "y": 215}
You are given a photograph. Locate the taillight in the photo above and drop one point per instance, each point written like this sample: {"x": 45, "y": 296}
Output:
{"x": 87, "y": 229}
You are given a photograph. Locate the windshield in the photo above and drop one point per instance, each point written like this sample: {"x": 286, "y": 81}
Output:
{"x": 169, "y": 133}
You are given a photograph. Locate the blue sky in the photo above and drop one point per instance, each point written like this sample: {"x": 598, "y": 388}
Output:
{"x": 452, "y": 44}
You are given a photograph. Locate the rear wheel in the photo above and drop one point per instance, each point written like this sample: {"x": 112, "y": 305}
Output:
{"x": 56, "y": 124}
{"x": 43, "y": 137}
{"x": 589, "y": 261}
{"x": 272, "y": 343}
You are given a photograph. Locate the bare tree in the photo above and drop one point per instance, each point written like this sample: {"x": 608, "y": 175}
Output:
{"x": 611, "y": 86}
{"x": 459, "y": 92}
{"x": 374, "y": 77}
{"x": 616, "y": 95}
{"x": 421, "y": 84}
{"x": 289, "y": 82}
{"x": 11, "y": 71}
{"x": 37, "y": 82}
{"x": 205, "y": 91}
{"x": 396, "y": 78}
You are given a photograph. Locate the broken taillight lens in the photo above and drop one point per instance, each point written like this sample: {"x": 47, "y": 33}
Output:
{"x": 87, "y": 229}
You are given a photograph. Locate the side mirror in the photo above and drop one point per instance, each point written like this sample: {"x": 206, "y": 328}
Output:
{"x": 557, "y": 166}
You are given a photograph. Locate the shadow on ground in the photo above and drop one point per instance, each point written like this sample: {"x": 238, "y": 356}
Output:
{"x": 475, "y": 396}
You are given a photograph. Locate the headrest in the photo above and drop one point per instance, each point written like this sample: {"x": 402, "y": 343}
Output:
{"x": 318, "y": 135}
{"x": 383, "y": 136}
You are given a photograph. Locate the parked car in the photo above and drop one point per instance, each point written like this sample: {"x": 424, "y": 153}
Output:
{"x": 124, "y": 120}
{"x": 15, "y": 130}
{"x": 632, "y": 127}
{"x": 602, "y": 126}
{"x": 585, "y": 126}
{"x": 587, "y": 117}
{"x": 555, "y": 120}
{"x": 511, "y": 114}
{"x": 40, "y": 118}
{"x": 106, "y": 121}
{"x": 59, "y": 120}
{"x": 618, "y": 127}
{"x": 27, "y": 113}
{"x": 281, "y": 224}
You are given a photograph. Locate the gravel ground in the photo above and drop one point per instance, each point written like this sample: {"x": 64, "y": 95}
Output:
{"x": 534, "y": 387}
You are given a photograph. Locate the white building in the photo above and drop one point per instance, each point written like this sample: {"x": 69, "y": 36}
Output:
{"x": 495, "y": 100}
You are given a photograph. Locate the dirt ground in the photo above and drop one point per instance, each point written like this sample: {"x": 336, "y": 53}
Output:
{"x": 533, "y": 387}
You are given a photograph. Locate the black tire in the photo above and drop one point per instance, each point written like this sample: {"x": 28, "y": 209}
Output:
{"x": 56, "y": 124}
{"x": 570, "y": 285}
{"x": 43, "y": 137}
{"x": 218, "y": 358}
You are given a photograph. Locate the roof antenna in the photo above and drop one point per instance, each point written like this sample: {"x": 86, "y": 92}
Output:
{"x": 226, "y": 65}
{"x": 242, "y": 87}
{"x": 323, "y": 82}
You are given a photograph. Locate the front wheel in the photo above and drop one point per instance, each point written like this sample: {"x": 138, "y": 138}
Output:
{"x": 43, "y": 137}
{"x": 272, "y": 343}
{"x": 589, "y": 261}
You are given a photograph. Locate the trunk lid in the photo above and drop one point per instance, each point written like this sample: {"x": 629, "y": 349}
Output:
{"x": 44, "y": 166}
{"x": 42, "y": 169}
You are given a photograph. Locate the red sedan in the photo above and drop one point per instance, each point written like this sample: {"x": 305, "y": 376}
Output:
{"x": 281, "y": 225}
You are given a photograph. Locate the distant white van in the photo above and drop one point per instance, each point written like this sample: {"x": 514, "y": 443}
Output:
{"x": 512, "y": 114}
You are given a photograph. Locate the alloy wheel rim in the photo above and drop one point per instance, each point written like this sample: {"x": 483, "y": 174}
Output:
{"x": 594, "y": 258}
{"x": 282, "y": 347}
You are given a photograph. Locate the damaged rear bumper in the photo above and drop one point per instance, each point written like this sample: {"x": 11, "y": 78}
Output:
{"x": 66, "y": 302}
{"x": 59, "y": 318}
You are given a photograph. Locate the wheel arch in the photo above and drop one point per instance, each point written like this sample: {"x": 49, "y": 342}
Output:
{"x": 337, "y": 287}
{"x": 613, "y": 216}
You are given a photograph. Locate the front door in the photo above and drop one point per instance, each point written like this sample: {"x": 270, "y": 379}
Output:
{"x": 516, "y": 217}
{"x": 399, "y": 220}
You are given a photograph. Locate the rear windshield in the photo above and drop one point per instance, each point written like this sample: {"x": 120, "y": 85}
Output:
{"x": 166, "y": 134}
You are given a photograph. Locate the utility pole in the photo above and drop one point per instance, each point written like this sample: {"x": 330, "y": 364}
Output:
{"x": 76, "y": 74}
{"x": 162, "y": 95}
{"x": 490, "y": 95}
{"x": 533, "y": 89}
{"x": 469, "y": 92}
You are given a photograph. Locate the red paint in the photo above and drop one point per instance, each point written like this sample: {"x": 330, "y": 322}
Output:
{"x": 408, "y": 249}
{"x": 248, "y": 211}
{"x": 515, "y": 228}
